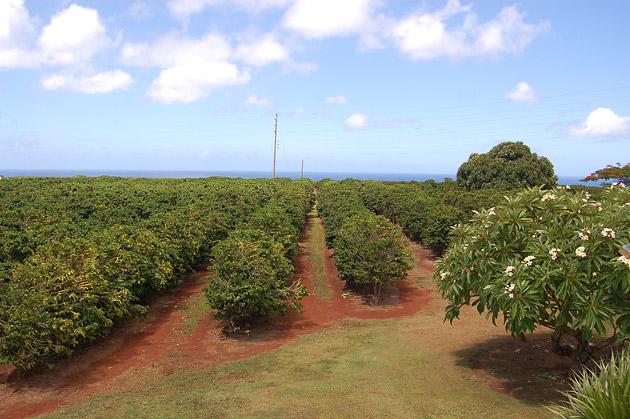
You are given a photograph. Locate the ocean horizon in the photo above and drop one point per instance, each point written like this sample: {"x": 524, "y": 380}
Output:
{"x": 180, "y": 174}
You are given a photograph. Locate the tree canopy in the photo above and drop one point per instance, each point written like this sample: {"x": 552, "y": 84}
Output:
{"x": 618, "y": 172}
{"x": 546, "y": 258}
{"x": 509, "y": 165}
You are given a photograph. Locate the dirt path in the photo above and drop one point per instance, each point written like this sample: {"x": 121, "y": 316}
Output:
{"x": 162, "y": 343}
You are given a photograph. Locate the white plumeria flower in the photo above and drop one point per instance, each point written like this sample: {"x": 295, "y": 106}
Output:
{"x": 554, "y": 253}
{"x": 609, "y": 233}
{"x": 580, "y": 251}
{"x": 528, "y": 260}
{"x": 584, "y": 234}
{"x": 443, "y": 275}
{"x": 509, "y": 290}
{"x": 625, "y": 260}
{"x": 493, "y": 211}
{"x": 549, "y": 197}
{"x": 509, "y": 271}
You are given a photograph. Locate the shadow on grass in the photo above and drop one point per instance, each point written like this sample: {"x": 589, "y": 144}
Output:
{"x": 523, "y": 370}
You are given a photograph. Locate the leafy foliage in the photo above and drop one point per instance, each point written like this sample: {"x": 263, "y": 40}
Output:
{"x": 79, "y": 254}
{"x": 426, "y": 211}
{"x": 509, "y": 165}
{"x": 252, "y": 279}
{"x": 600, "y": 393}
{"x": 545, "y": 258}
{"x": 255, "y": 263}
{"x": 619, "y": 172}
{"x": 371, "y": 251}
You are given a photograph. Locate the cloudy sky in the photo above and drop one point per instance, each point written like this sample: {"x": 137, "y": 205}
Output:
{"x": 398, "y": 86}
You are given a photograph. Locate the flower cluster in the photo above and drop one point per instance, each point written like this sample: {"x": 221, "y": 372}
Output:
{"x": 549, "y": 197}
{"x": 584, "y": 234}
{"x": 625, "y": 260}
{"x": 528, "y": 260}
{"x": 608, "y": 233}
{"x": 580, "y": 251}
{"x": 554, "y": 253}
{"x": 444, "y": 275}
{"x": 493, "y": 211}
{"x": 618, "y": 185}
{"x": 509, "y": 290}
{"x": 509, "y": 271}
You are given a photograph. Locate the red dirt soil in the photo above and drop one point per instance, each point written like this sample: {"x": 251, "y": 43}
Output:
{"x": 159, "y": 342}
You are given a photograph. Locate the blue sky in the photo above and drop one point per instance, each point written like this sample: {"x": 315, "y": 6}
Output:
{"x": 394, "y": 86}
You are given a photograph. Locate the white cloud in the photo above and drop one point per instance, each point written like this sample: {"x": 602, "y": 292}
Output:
{"x": 191, "y": 68}
{"x": 99, "y": 83}
{"x": 262, "y": 52}
{"x": 73, "y": 36}
{"x": 357, "y": 121}
{"x": 522, "y": 93}
{"x": 174, "y": 49}
{"x": 194, "y": 79}
{"x": 16, "y": 31}
{"x": 255, "y": 100}
{"x": 298, "y": 112}
{"x": 302, "y": 68}
{"x": 602, "y": 122}
{"x": 183, "y": 9}
{"x": 336, "y": 100}
{"x": 428, "y": 35}
{"x": 315, "y": 19}
{"x": 139, "y": 10}
{"x": 508, "y": 33}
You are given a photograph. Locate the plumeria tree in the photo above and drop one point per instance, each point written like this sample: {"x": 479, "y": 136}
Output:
{"x": 546, "y": 258}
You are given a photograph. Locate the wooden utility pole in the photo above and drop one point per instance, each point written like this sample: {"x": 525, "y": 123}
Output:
{"x": 275, "y": 142}
{"x": 302, "y": 174}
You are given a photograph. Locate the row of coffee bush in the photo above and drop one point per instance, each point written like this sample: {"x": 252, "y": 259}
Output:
{"x": 369, "y": 250}
{"x": 94, "y": 248}
{"x": 254, "y": 265}
{"x": 426, "y": 211}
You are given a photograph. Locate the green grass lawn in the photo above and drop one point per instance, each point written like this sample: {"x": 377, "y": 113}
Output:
{"x": 359, "y": 368}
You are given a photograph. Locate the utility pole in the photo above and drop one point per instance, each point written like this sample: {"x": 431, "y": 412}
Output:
{"x": 302, "y": 174}
{"x": 275, "y": 142}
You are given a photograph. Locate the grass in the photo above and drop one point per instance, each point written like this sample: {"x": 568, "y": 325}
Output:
{"x": 195, "y": 308}
{"x": 316, "y": 248}
{"x": 359, "y": 368}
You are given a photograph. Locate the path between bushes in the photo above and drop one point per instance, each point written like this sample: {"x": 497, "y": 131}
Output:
{"x": 164, "y": 342}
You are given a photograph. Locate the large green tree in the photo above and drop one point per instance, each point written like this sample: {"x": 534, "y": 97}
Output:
{"x": 509, "y": 165}
{"x": 550, "y": 259}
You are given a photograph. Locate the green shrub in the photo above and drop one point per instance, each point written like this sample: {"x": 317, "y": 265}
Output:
{"x": 371, "y": 251}
{"x": 252, "y": 279}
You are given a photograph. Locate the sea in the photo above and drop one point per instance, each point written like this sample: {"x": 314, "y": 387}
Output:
{"x": 155, "y": 174}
